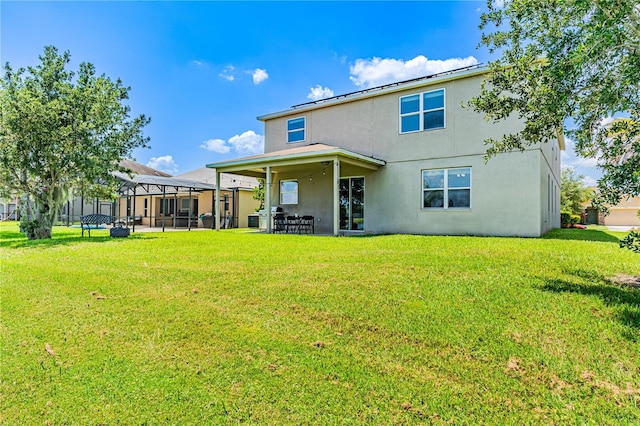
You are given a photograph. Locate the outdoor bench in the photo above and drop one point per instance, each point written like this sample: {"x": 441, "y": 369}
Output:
{"x": 94, "y": 219}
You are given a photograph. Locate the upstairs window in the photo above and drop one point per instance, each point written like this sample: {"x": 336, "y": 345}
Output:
{"x": 446, "y": 188}
{"x": 296, "y": 129}
{"x": 422, "y": 111}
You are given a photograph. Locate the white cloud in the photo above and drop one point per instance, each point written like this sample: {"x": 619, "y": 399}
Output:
{"x": 216, "y": 145}
{"x": 319, "y": 92}
{"x": 367, "y": 73}
{"x": 498, "y": 3}
{"x": 247, "y": 143}
{"x": 228, "y": 73}
{"x": 259, "y": 75}
{"x": 571, "y": 159}
{"x": 164, "y": 163}
{"x": 586, "y": 167}
{"x": 589, "y": 181}
{"x": 231, "y": 73}
{"x": 342, "y": 59}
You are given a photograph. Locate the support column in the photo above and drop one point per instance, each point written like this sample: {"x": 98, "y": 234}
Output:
{"x": 190, "y": 206}
{"x": 336, "y": 197}
{"x": 164, "y": 205}
{"x": 134, "y": 210}
{"x": 267, "y": 198}
{"x": 175, "y": 208}
{"x": 151, "y": 213}
{"x": 216, "y": 217}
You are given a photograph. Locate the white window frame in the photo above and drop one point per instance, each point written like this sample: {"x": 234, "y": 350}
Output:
{"x": 446, "y": 188}
{"x": 289, "y": 192}
{"x": 421, "y": 111}
{"x": 304, "y": 129}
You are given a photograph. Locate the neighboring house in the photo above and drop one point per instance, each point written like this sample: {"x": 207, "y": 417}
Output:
{"x": 9, "y": 208}
{"x": 154, "y": 198}
{"x": 405, "y": 158}
{"x": 624, "y": 213}
{"x": 186, "y": 201}
{"x": 80, "y": 205}
{"x": 236, "y": 195}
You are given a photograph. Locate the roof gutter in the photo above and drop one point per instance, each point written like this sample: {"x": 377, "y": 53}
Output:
{"x": 377, "y": 91}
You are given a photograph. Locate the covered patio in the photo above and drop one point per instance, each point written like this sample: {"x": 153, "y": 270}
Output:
{"x": 313, "y": 180}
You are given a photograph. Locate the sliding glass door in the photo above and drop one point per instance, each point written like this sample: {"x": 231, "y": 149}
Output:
{"x": 352, "y": 204}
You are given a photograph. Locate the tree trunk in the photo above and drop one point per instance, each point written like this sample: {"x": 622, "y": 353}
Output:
{"x": 41, "y": 227}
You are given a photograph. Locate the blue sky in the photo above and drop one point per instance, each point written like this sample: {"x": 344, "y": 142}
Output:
{"x": 203, "y": 71}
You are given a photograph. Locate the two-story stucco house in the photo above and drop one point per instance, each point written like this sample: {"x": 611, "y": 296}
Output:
{"x": 404, "y": 158}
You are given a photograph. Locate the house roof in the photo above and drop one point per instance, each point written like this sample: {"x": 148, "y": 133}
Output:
{"x": 432, "y": 79}
{"x": 255, "y": 165}
{"x": 140, "y": 169}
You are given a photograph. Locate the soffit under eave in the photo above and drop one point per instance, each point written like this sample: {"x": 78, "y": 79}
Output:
{"x": 258, "y": 168}
{"x": 561, "y": 141}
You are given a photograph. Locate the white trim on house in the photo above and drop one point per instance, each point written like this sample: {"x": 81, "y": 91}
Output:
{"x": 446, "y": 187}
{"x": 421, "y": 111}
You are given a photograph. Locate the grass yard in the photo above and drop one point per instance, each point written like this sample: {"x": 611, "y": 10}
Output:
{"x": 233, "y": 327}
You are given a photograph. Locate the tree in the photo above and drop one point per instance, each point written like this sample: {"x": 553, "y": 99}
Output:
{"x": 62, "y": 131}
{"x": 258, "y": 193}
{"x": 568, "y": 66}
{"x": 573, "y": 192}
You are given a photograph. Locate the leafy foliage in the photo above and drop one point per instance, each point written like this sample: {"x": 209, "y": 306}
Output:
{"x": 258, "y": 193}
{"x": 568, "y": 66}
{"x": 62, "y": 131}
{"x": 573, "y": 191}
{"x": 631, "y": 241}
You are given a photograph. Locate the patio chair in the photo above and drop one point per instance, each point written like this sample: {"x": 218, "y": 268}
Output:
{"x": 306, "y": 225}
{"x": 292, "y": 225}
{"x": 279, "y": 224}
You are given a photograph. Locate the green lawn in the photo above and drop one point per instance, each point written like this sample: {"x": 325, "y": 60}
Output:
{"x": 232, "y": 327}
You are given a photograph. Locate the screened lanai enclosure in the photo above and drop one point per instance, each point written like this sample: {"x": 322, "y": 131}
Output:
{"x": 164, "y": 202}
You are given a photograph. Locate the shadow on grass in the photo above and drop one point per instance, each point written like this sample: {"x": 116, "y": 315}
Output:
{"x": 17, "y": 240}
{"x": 625, "y": 299}
{"x": 581, "y": 235}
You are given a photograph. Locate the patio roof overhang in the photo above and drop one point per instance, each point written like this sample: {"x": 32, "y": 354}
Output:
{"x": 256, "y": 165}
{"x": 265, "y": 165}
